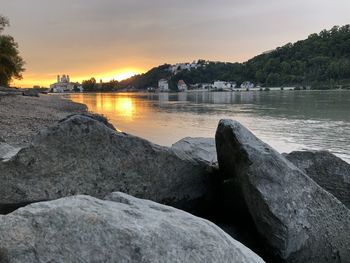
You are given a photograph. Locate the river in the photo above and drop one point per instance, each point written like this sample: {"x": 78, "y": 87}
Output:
{"x": 287, "y": 120}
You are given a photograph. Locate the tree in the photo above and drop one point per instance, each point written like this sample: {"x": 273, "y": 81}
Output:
{"x": 4, "y": 22}
{"x": 89, "y": 85}
{"x": 75, "y": 88}
{"x": 11, "y": 64}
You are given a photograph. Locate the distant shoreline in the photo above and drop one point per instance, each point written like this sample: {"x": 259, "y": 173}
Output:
{"x": 263, "y": 89}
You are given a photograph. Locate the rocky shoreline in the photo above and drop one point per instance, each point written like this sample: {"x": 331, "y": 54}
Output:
{"x": 21, "y": 117}
{"x": 82, "y": 191}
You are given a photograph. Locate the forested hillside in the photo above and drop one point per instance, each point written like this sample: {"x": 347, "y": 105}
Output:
{"x": 321, "y": 60}
{"x": 323, "y": 57}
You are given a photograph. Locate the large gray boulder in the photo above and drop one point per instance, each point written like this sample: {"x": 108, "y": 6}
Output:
{"x": 326, "y": 169}
{"x": 297, "y": 219}
{"x": 83, "y": 155}
{"x": 126, "y": 229}
{"x": 202, "y": 149}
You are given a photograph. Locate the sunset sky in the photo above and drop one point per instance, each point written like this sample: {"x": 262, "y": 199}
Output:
{"x": 115, "y": 38}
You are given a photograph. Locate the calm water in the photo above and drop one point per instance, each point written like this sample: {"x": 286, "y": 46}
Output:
{"x": 287, "y": 120}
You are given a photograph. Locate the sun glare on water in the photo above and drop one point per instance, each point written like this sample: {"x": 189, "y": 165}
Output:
{"x": 125, "y": 107}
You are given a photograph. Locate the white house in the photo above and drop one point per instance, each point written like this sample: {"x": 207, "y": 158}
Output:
{"x": 247, "y": 85}
{"x": 224, "y": 85}
{"x": 163, "y": 85}
{"x": 181, "y": 85}
{"x": 233, "y": 84}
{"x": 206, "y": 86}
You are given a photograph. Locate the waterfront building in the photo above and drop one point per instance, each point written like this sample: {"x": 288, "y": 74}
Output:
{"x": 205, "y": 86}
{"x": 247, "y": 85}
{"x": 181, "y": 85}
{"x": 224, "y": 85}
{"x": 163, "y": 85}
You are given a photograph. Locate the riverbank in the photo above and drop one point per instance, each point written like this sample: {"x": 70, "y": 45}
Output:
{"x": 22, "y": 117}
{"x": 88, "y": 176}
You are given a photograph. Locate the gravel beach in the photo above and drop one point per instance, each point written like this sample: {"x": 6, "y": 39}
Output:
{"x": 21, "y": 117}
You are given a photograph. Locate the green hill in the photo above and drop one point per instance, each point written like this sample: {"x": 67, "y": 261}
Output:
{"x": 321, "y": 60}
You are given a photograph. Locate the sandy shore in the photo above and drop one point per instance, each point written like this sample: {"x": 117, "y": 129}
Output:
{"x": 22, "y": 117}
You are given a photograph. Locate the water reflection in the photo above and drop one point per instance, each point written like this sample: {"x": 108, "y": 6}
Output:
{"x": 122, "y": 106}
{"x": 288, "y": 120}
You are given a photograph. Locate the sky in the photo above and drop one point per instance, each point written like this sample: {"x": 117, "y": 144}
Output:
{"x": 112, "y": 39}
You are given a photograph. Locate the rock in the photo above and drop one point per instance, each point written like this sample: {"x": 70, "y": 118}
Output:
{"x": 127, "y": 229}
{"x": 7, "y": 151}
{"x": 81, "y": 155}
{"x": 9, "y": 91}
{"x": 6, "y": 94}
{"x": 2, "y": 93}
{"x": 298, "y": 220}
{"x": 326, "y": 169}
{"x": 94, "y": 116}
{"x": 239, "y": 227}
{"x": 30, "y": 93}
{"x": 202, "y": 149}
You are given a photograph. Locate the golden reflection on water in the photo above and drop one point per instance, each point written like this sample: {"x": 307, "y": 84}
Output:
{"x": 123, "y": 106}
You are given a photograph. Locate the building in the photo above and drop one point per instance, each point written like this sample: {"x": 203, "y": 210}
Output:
{"x": 247, "y": 85}
{"x": 174, "y": 69}
{"x": 163, "y": 85}
{"x": 205, "y": 86}
{"x": 64, "y": 84}
{"x": 181, "y": 85}
{"x": 224, "y": 85}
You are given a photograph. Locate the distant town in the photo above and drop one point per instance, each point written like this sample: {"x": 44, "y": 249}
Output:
{"x": 63, "y": 83}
